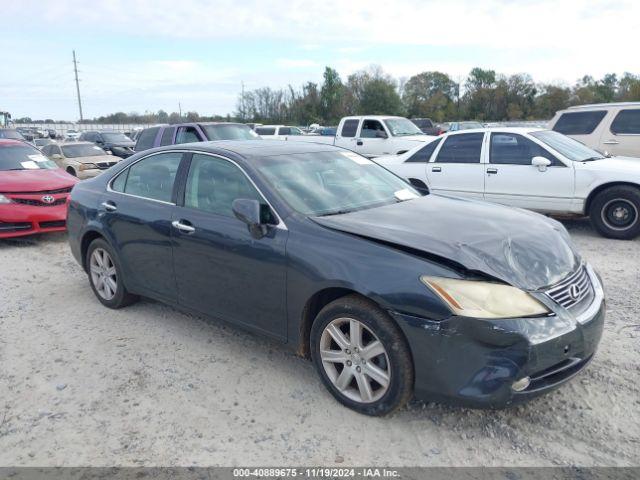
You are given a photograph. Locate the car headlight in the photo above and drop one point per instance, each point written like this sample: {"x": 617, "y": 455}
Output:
{"x": 88, "y": 166}
{"x": 469, "y": 298}
{"x": 4, "y": 200}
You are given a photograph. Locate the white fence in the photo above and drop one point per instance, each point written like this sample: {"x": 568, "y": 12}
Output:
{"x": 61, "y": 128}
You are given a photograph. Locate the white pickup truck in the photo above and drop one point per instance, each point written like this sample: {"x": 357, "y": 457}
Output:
{"x": 372, "y": 136}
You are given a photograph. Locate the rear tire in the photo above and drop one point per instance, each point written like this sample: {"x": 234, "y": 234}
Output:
{"x": 362, "y": 356}
{"x": 105, "y": 276}
{"x": 615, "y": 212}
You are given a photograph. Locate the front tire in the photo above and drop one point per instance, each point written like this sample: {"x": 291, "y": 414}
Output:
{"x": 362, "y": 356}
{"x": 105, "y": 276}
{"x": 615, "y": 212}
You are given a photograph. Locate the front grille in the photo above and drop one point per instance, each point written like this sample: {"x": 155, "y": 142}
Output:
{"x": 6, "y": 227}
{"x": 572, "y": 291}
{"x": 38, "y": 203}
{"x": 105, "y": 165}
{"x": 42, "y": 192}
{"x": 53, "y": 224}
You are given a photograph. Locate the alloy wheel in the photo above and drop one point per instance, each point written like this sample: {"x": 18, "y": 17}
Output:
{"x": 103, "y": 273}
{"x": 355, "y": 360}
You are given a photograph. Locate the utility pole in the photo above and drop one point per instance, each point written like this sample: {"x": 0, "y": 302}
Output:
{"x": 75, "y": 69}
{"x": 242, "y": 101}
{"x": 180, "y": 110}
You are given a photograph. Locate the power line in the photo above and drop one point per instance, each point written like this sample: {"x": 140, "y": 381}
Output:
{"x": 75, "y": 69}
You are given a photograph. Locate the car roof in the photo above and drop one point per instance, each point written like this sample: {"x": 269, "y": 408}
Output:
{"x": 604, "y": 105}
{"x": 373, "y": 117}
{"x": 497, "y": 129}
{"x": 78, "y": 143}
{"x": 255, "y": 148}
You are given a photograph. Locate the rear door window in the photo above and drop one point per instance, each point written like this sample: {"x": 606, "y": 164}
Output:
{"x": 349, "y": 128}
{"x": 627, "y": 122}
{"x": 146, "y": 139}
{"x": 284, "y": 131}
{"x": 579, "y": 123}
{"x": 463, "y": 148}
{"x": 153, "y": 177}
{"x": 265, "y": 130}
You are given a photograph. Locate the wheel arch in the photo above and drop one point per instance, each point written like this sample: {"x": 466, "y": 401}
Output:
{"x": 317, "y": 302}
{"x": 87, "y": 238}
{"x": 601, "y": 188}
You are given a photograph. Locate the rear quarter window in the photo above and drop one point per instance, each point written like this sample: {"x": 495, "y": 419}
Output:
{"x": 167, "y": 136}
{"x": 424, "y": 154}
{"x": 579, "y": 123}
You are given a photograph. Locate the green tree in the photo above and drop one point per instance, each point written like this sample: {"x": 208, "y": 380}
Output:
{"x": 332, "y": 97}
{"x": 430, "y": 94}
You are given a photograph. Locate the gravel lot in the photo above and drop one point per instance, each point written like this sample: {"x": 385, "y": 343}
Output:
{"x": 148, "y": 385}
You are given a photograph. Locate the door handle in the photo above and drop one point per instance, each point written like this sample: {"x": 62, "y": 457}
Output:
{"x": 183, "y": 227}
{"x": 611, "y": 142}
{"x": 359, "y": 142}
{"x": 436, "y": 169}
{"x": 492, "y": 170}
{"x": 109, "y": 206}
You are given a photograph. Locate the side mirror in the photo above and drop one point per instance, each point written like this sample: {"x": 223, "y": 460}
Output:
{"x": 381, "y": 134}
{"x": 540, "y": 163}
{"x": 249, "y": 212}
{"x": 56, "y": 156}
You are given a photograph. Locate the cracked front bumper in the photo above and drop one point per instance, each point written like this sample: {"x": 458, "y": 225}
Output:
{"x": 474, "y": 362}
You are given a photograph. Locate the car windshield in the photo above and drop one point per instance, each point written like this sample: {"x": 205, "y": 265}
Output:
{"x": 570, "y": 148}
{"x": 85, "y": 150}
{"x": 115, "y": 137}
{"x": 330, "y": 183}
{"x": 23, "y": 157}
{"x": 401, "y": 127}
{"x": 12, "y": 134}
{"x": 229, "y": 132}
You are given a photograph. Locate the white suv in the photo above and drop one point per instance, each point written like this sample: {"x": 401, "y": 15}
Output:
{"x": 531, "y": 168}
{"x": 611, "y": 128}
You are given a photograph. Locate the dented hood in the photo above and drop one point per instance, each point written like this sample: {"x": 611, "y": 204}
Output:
{"x": 519, "y": 247}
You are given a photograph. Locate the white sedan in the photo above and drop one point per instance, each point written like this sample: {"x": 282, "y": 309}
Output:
{"x": 531, "y": 168}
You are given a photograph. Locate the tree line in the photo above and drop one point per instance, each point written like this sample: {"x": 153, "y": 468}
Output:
{"x": 483, "y": 95}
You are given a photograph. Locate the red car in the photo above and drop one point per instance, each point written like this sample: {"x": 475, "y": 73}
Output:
{"x": 33, "y": 191}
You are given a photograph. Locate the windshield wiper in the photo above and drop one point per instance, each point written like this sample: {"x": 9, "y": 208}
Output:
{"x": 591, "y": 159}
{"x": 335, "y": 212}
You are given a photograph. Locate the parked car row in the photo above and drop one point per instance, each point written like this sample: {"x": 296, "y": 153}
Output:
{"x": 536, "y": 169}
{"x": 366, "y": 266}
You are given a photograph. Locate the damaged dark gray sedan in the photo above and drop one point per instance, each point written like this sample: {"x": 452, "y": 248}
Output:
{"x": 389, "y": 292}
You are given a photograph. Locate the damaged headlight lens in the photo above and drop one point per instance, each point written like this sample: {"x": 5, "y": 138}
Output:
{"x": 471, "y": 298}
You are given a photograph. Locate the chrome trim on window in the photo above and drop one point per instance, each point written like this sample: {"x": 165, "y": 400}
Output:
{"x": 280, "y": 225}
